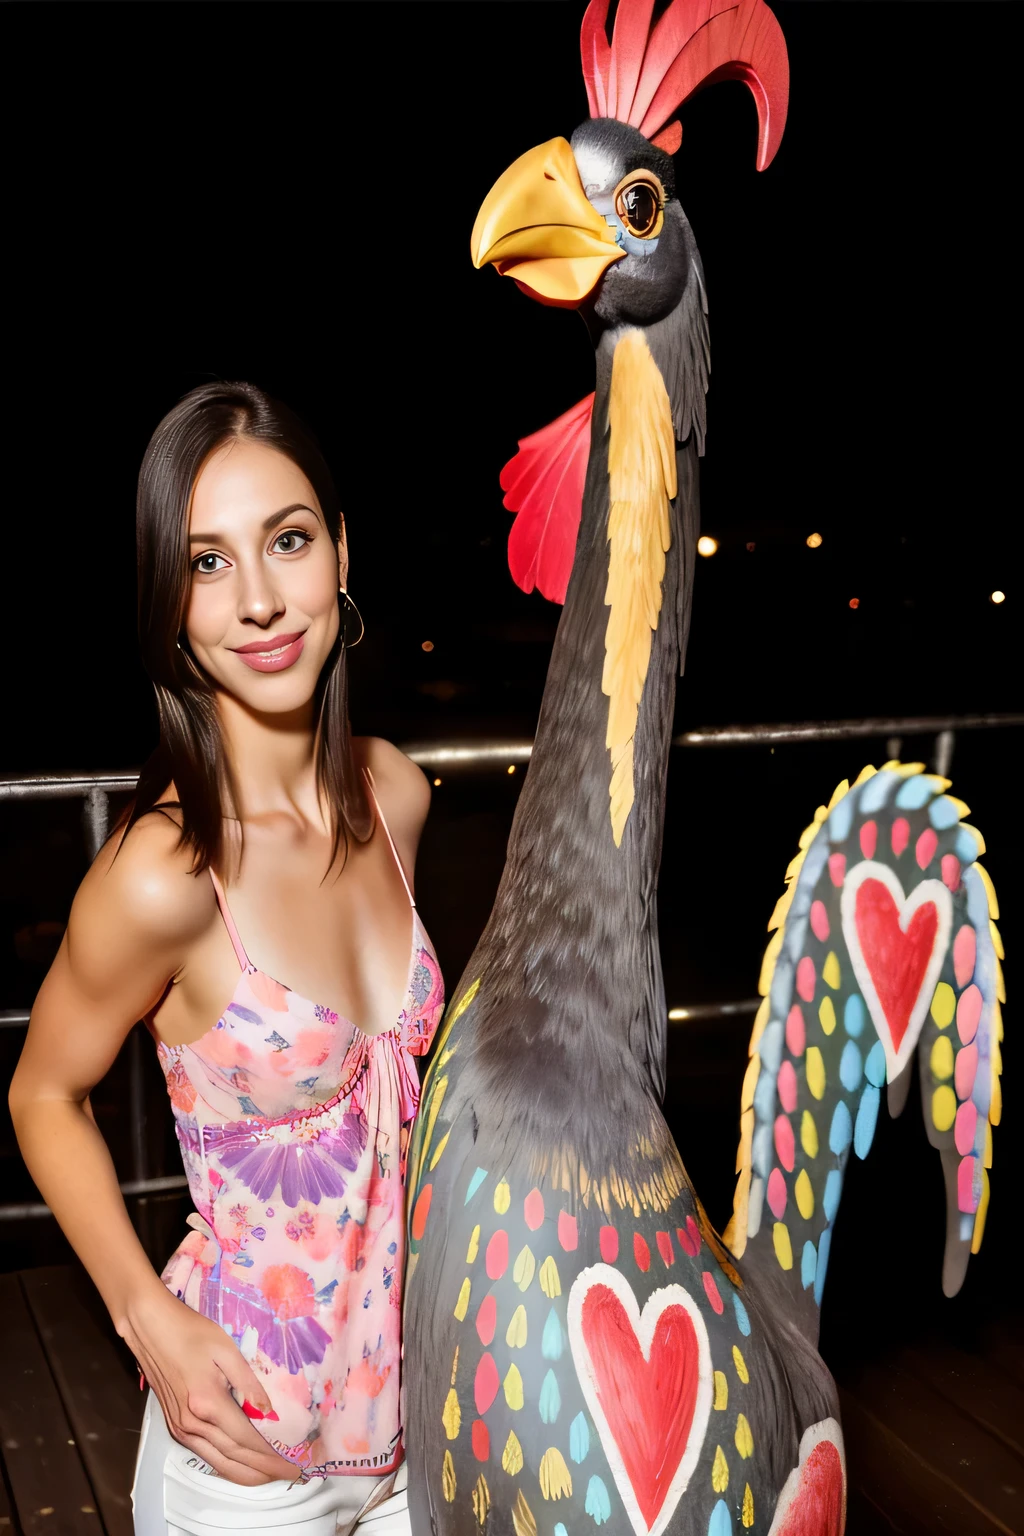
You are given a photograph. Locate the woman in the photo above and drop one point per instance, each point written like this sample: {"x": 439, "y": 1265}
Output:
{"x": 276, "y": 1384}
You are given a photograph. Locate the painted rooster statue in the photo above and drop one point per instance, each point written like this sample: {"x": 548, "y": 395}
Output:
{"x": 581, "y": 1348}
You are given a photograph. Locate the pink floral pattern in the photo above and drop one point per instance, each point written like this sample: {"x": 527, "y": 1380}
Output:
{"x": 294, "y": 1128}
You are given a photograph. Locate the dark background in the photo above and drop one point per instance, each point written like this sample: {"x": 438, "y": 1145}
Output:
{"x": 285, "y": 193}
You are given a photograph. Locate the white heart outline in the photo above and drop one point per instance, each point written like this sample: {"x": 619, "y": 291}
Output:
{"x": 829, "y": 1430}
{"x": 644, "y": 1325}
{"x": 924, "y": 892}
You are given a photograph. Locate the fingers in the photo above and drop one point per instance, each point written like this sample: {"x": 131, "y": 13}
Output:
{"x": 242, "y": 1377}
{"x": 218, "y": 1420}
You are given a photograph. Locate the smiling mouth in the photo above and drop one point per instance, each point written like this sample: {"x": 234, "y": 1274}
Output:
{"x": 262, "y": 657}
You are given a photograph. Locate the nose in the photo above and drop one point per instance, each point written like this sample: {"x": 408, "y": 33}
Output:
{"x": 259, "y": 601}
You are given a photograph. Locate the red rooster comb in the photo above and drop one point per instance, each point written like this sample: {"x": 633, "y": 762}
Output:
{"x": 646, "y": 73}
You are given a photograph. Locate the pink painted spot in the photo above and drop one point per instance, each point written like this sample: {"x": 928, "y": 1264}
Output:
{"x": 485, "y": 1383}
{"x": 480, "y": 1437}
{"x": 926, "y": 846}
{"x": 689, "y": 1237}
{"x": 869, "y": 839}
{"x": 951, "y": 871}
{"x": 819, "y": 920}
{"x": 486, "y": 1320}
{"x": 567, "y": 1234}
{"x": 785, "y": 1146}
{"x": 533, "y": 1209}
{"x": 965, "y": 953}
{"x": 777, "y": 1195}
{"x": 966, "y": 1070}
{"x": 900, "y": 835}
{"x": 641, "y": 1252}
{"x": 711, "y": 1291}
{"x": 965, "y": 1128}
{"x": 968, "y": 1185}
{"x": 796, "y": 1032}
{"x": 968, "y": 1012}
{"x": 609, "y": 1240}
{"x": 805, "y": 978}
{"x": 837, "y": 868}
{"x": 664, "y": 1240}
{"x": 787, "y": 1087}
{"x": 496, "y": 1260}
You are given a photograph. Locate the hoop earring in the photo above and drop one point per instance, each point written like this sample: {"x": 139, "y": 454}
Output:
{"x": 350, "y": 608}
{"x": 190, "y": 662}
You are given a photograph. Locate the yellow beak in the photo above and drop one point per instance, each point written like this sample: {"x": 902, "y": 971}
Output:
{"x": 537, "y": 227}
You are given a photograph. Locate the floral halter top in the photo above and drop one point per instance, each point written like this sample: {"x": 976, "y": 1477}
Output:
{"x": 294, "y": 1126}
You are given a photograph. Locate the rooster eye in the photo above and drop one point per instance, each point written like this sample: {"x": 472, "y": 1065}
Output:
{"x": 639, "y": 207}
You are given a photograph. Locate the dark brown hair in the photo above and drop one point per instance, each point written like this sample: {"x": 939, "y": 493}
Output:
{"x": 191, "y": 753}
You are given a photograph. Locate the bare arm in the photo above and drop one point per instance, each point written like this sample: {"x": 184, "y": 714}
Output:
{"x": 131, "y": 925}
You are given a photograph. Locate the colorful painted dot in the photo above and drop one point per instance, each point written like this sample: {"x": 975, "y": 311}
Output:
{"x": 784, "y": 1142}
{"x": 832, "y": 976}
{"x": 874, "y": 1067}
{"x": 533, "y": 1209}
{"x": 609, "y": 1240}
{"x": 513, "y": 1388}
{"x": 664, "y": 1241}
{"x": 474, "y": 1245}
{"x": 819, "y": 920}
{"x": 486, "y": 1320}
{"x": 485, "y": 1383}
{"x": 913, "y": 793}
{"x": 720, "y": 1523}
{"x": 833, "y": 1190}
{"x": 827, "y": 1015}
{"x": 968, "y": 1013}
{"x": 787, "y": 1086}
{"x": 853, "y": 1014}
{"x": 850, "y": 1067}
{"x": 867, "y": 1119}
{"x": 744, "y": 1439}
{"x": 462, "y": 1305}
{"x": 515, "y": 1333}
{"x": 815, "y": 1072}
{"x": 689, "y": 1238}
{"x": 512, "y": 1455}
{"x": 943, "y": 1007}
{"x": 721, "y": 1391}
{"x": 869, "y": 839}
{"x": 502, "y": 1197}
{"x": 966, "y": 845}
{"x": 840, "y": 1132}
{"x": 548, "y": 1279}
{"x": 809, "y": 1134}
{"x": 641, "y": 1252}
{"x": 579, "y": 1438}
{"x": 741, "y": 1365}
{"x": 808, "y": 1265}
{"x": 712, "y": 1293}
{"x": 777, "y": 1193}
{"x": 474, "y": 1184}
{"x": 524, "y": 1267}
{"x": 742, "y": 1320}
{"x": 926, "y": 846}
{"x": 966, "y": 1070}
{"x": 598, "y": 1505}
{"x": 747, "y": 1513}
{"x": 720, "y": 1476}
{"x": 480, "y": 1437}
{"x": 783, "y": 1246}
{"x": 965, "y": 954}
{"x": 837, "y": 868}
{"x": 968, "y": 1184}
{"x": 421, "y": 1212}
{"x": 567, "y": 1233}
{"x": 796, "y": 1033}
{"x": 805, "y": 978}
{"x": 804, "y": 1194}
{"x": 451, "y": 1415}
{"x": 941, "y": 1061}
{"x": 945, "y": 813}
{"x": 951, "y": 871}
{"x": 824, "y": 1243}
{"x": 966, "y": 1128}
{"x": 551, "y": 1339}
{"x": 550, "y": 1399}
{"x": 900, "y": 835}
{"x": 496, "y": 1257}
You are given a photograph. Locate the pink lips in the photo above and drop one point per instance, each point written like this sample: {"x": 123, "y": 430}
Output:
{"x": 274, "y": 654}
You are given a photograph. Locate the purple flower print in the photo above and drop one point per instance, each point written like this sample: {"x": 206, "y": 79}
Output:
{"x": 247, "y": 1014}
{"x": 291, "y": 1342}
{"x": 303, "y": 1170}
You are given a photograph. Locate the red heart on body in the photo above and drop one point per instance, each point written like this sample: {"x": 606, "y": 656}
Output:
{"x": 816, "y": 1508}
{"x": 897, "y": 961}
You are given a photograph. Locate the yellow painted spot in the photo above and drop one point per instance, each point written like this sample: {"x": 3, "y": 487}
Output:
{"x": 462, "y": 1305}
{"x": 997, "y": 943}
{"x": 982, "y": 1212}
{"x": 512, "y": 1455}
{"x": 804, "y": 1195}
{"x": 481, "y": 1500}
{"x": 523, "y": 1522}
{"x": 987, "y": 1158}
{"x": 474, "y": 1244}
{"x": 720, "y": 1471}
{"x": 523, "y": 1268}
{"x": 448, "y": 1477}
{"x": 831, "y": 972}
{"x": 809, "y": 1134}
{"x": 748, "y": 1507}
{"x": 438, "y": 1150}
{"x": 944, "y": 1005}
{"x": 942, "y": 1057}
{"x": 515, "y": 1333}
{"x": 750, "y": 1077}
{"x": 451, "y": 1418}
{"x": 986, "y": 880}
{"x": 740, "y": 1364}
{"x": 827, "y": 1015}
{"x": 943, "y": 1107}
{"x": 815, "y": 1072}
{"x": 721, "y": 1390}
{"x": 513, "y": 1385}
{"x": 549, "y": 1281}
{"x": 744, "y": 1439}
{"x": 995, "y": 1109}
{"x": 555, "y": 1477}
{"x": 455, "y": 1366}
{"x": 783, "y": 1246}
{"x": 502, "y": 1197}
{"x": 437, "y": 1093}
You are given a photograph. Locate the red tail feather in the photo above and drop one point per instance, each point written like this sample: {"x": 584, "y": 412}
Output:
{"x": 543, "y": 484}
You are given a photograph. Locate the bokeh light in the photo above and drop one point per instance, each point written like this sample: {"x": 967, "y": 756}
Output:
{"x": 706, "y": 545}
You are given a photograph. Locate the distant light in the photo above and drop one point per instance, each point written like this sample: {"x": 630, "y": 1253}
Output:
{"x": 427, "y": 645}
{"x": 511, "y": 768}
{"x": 436, "y": 783}
{"x": 706, "y": 545}
{"x": 998, "y": 597}
{"x": 679, "y": 1013}
{"x": 814, "y": 541}
{"x": 854, "y": 602}
{"x": 751, "y": 547}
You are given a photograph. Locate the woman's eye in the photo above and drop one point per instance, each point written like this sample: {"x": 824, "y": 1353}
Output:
{"x": 288, "y": 543}
{"x": 639, "y": 208}
{"x": 206, "y": 565}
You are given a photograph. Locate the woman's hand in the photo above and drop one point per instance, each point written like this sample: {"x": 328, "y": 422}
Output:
{"x": 192, "y": 1365}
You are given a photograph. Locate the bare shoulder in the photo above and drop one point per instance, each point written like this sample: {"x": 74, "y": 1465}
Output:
{"x": 402, "y": 786}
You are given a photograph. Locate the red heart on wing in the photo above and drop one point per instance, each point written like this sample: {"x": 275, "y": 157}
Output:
{"x": 813, "y": 1502}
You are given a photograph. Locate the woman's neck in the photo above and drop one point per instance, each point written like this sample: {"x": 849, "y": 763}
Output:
{"x": 272, "y": 760}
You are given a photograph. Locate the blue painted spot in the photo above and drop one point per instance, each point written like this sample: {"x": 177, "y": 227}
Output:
{"x": 551, "y": 1340}
{"x": 867, "y": 1118}
{"x": 720, "y": 1523}
{"x": 942, "y": 813}
{"x": 550, "y": 1399}
{"x": 977, "y": 907}
{"x": 966, "y": 846}
{"x": 853, "y": 1014}
{"x": 560, "y": 1530}
{"x": 244, "y": 1013}
{"x": 966, "y": 1228}
{"x": 913, "y": 793}
{"x": 808, "y": 1264}
{"x": 876, "y": 792}
{"x": 579, "y": 1438}
{"x": 824, "y": 1243}
{"x": 742, "y": 1320}
{"x": 840, "y": 819}
{"x": 840, "y": 1131}
{"x": 874, "y": 1067}
{"x": 764, "y": 1096}
{"x": 598, "y": 1505}
{"x": 761, "y": 1149}
{"x": 474, "y": 1184}
{"x": 770, "y": 1047}
{"x": 833, "y": 1189}
{"x": 781, "y": 993}
{"x": 850, "y": 1068}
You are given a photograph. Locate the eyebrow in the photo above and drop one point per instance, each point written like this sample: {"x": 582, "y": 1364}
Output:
{"x": 269, "y": 523}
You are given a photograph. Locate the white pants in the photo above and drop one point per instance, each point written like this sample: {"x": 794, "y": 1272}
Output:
{"x": 176, "y": 1493}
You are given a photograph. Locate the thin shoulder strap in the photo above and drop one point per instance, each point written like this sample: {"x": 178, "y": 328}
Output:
{"x": 229, "y": 923}
{"x": 373, "y": 795}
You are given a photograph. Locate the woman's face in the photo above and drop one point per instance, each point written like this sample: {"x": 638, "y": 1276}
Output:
{"x": 262, "y": 613}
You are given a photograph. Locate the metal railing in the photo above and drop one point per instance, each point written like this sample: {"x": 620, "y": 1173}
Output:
{"x": 96, "y": 788}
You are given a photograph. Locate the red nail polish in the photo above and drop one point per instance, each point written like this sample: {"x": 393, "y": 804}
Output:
{"x": 271, "y": 1415}
{"x": 254, "y": 1413}
{"x": 142, "y": 1382}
